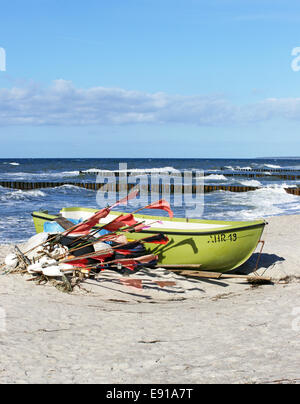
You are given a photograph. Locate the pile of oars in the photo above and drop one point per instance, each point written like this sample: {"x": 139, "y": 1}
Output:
{"x": 61, "y": 257}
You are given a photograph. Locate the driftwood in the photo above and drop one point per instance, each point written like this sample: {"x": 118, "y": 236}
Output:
{"x": 218, "y": 275}
{"x": 23, "y": 257}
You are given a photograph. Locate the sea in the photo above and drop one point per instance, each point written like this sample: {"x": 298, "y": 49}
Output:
{"x": 270, "y": 199}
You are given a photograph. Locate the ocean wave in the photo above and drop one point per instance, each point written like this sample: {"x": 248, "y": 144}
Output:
{"x": 15, "y": 228}
{"x": 12, "y": 164}
{"x": 272, "y": 166}
{"x": 292, "y": 168}
{"x": 250, "y": 183}
{"x": 271, "y": 200}
{"x": 237, "y": 168}
{"x": 134, "y": 170}
{"x": 65, "y": 174}
{"x": 216, "y": 177}
{"x": 28, "y": 176}
{"x": 243, "y": 168}
{"x": 279, "y": 186}
{"x": 65, "y": 189}
{"x": 19, "y": 195}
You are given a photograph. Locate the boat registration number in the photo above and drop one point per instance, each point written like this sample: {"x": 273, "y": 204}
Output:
{"x": 222, "y": 238}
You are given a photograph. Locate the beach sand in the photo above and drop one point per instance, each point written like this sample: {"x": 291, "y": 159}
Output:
{"x": 180, "y": 331}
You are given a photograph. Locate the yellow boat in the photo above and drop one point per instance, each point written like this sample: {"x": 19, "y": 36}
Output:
{"x": 215, "y": 245}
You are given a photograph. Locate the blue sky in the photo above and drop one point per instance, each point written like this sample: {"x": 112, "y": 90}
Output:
{"x": 149, "y": 78}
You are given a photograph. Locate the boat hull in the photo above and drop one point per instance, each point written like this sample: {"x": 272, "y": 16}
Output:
{"x": 216, "y": 249}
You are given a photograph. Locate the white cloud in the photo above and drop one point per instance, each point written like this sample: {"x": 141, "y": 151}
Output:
{"x": 63, "y": 104}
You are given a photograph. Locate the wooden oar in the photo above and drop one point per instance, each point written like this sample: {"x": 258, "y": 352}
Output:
{"x": 133, "y": 194}
{"x": 144, "y": 259}
{"x": 105, "y": 237}
{"x": 56, "y": 236}
{"x": 115, "y": 233}
{"x": 97, "y": 253}
{"x": 125, "y": 229}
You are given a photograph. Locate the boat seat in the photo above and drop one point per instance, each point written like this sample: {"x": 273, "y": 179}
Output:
{"x": 64, "y": 223}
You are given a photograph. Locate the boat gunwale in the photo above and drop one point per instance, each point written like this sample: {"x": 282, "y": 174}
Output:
{"x": 166, "y": 218}
{"x": 230, "y": 229}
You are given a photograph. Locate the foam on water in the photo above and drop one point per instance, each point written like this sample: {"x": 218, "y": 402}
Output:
{"x": 133, "y": 170}
{"x": 19, "y": 195}
{"x": 18, "y": 176}
{"x": 216, "y": 177}
{"x": 250, "y": 183}
{"x": 11, "y": 163}
{"x": 243, "y": 168}
{"x": 272, "y": 166}
{"x": 262, "y": 203}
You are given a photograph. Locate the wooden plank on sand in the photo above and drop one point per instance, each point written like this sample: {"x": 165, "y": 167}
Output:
{"x": 218, "y": 275}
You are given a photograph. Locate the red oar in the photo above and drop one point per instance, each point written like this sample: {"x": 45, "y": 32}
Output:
{"x": 89, "y": 223}
{"x": 130, "y": 263}
{"x": 145, "y": 259}
{"x": 135, "y": 227}
{"x": 92, "y": 221}
{"x": 121, "y": 221}
{"x": 105, "y": 237}
{"x": 162, "y": 204}
{"x": 159, "y": 239}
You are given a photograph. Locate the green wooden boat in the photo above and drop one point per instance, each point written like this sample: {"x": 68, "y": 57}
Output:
{"x": 215, "y": 245}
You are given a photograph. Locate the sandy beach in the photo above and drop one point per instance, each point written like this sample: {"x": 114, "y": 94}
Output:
{"x": 160, "y": 327}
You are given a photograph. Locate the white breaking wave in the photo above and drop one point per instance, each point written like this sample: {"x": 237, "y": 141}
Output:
{"x": 216, "y": 177}
{"x": 68, "y": 187}
{"x": 243, "y": 168}
{"x": 134, "y": 170}
{"x": 251, "y": 183}
{"x": 272, "y": 166}
{"x": 28, "y": 176}
{"x": 65, "y": 174}
{"x": 291, "y": 168}
{"x": 271, "y": 200}
{"x": 19, "y": 195}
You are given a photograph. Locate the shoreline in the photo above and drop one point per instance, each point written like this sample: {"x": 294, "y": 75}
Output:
{"x": 194, "y": 331}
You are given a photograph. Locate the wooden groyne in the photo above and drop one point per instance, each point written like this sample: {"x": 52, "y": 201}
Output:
{"x": 293, "y": 191}
{"x": 181, "y": 173}
{"x": 194, "y": 174}
{"x": 117, "y": 187}
{"x": 266, "y": 170}
{"x": 289, "y": 177}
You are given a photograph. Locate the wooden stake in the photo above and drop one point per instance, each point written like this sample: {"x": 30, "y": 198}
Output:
{"x": 218, "y": 275}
